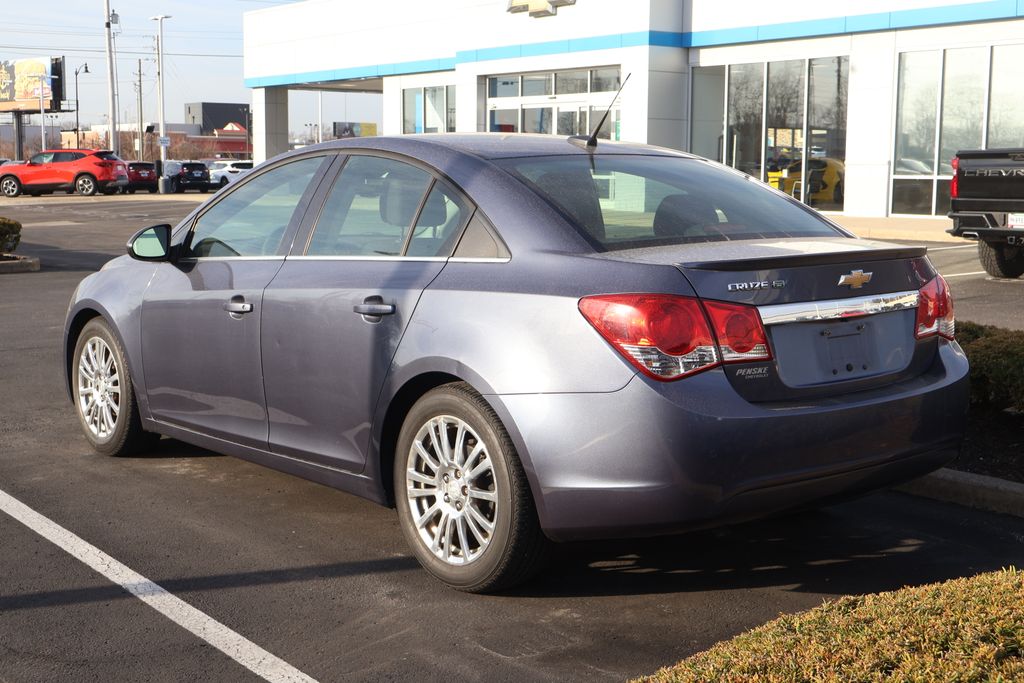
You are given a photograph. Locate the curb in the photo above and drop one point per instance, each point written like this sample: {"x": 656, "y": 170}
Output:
{"x": 970, "y": 490}
{"x": 20, "y": 264}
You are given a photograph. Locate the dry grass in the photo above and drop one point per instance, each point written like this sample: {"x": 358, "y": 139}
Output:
{"x": 960, "y": 631}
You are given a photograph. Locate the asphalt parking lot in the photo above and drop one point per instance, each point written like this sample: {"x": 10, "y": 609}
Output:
{"x": 323, "y": 581}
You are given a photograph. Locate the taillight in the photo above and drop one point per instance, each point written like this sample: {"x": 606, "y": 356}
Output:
{"x": 935, "y": 311}
{"x": 665, "y": 336}
{"x": 668, "y": 337}
{"x": 954, "y": 184}
{"x": 741, "y": 335}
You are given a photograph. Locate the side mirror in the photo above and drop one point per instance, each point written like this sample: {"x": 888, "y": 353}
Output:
{"x": 151, "y": 244}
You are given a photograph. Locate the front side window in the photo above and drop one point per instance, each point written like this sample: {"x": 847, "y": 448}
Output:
{"x": 624, "y": 202}
{"x": 370, "y": 209}
{"x": 44, "y": 158}
{"x": 253, "y": 217}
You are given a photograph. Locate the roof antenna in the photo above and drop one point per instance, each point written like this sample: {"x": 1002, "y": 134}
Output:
{"x": 589, "y": 143}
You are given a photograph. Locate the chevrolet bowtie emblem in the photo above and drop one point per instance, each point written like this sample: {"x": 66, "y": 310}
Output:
{"x": 855, "y": 279}
{"x": 538, "y": 8}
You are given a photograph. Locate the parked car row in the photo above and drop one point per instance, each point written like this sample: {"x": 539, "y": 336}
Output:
{"x": 88, "y": 171}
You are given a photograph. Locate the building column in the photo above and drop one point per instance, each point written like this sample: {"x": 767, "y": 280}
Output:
{"x": 269, "y": 123}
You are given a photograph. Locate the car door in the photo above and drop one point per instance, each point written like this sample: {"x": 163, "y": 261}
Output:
{"x": 62, "y": 169}
{"x": 334, "y": 314}
{"x": 200, "y": 326}
{"x": 37, "y": 170}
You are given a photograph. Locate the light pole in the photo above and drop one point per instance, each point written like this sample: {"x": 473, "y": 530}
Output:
{"x": 159, "y": 19}
{"x": 53, "y": 122}
{"x": 42, "y": 109}
{"x": 111, "y": 102}
{"x": 78, "y": 138}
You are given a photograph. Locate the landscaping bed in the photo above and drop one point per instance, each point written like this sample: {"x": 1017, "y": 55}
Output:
{"x": 966, "y": 630}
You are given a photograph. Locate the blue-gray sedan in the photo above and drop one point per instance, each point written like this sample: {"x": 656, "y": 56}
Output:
{"x": 519, "y": 339}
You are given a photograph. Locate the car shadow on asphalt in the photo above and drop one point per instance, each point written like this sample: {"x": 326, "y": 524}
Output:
{"x": 848, "y": 549}
{"x": 53, "y": 257}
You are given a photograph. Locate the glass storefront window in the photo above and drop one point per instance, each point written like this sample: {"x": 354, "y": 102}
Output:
{"x": 1006, "y": 112}
{"x": 604, "y": 80}
{"x": 784, "y": 126}
{"x": 915, "y": 114}
{"x": 536, "y": 84}
{"x": 743, "y": 138}
{"x": 610, "y": 127}
{"x": 450, "y": 109}
{"x": 912, "y": 196}
{"x": 412, "y": 110}
{"x": 428, "y": 110}
{"x": 963, "y": 103}
{"x": 537, "y": 120}
{"x": 503, "y": 121}
{"x": 434, "y": 117}
{"x": 503, "y": 86}
{"x": 570, "y": 82}
{"x": 826, "y": 131}
{"x": 707, "y": 111}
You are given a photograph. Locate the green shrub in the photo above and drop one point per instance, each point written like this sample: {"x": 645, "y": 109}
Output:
{"x": 966, "y": 630}
{"x": 997, "y": 365}
{"x": 10, "y": 234}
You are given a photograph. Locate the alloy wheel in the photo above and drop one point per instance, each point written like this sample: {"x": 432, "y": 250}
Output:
{"x": 99, "y": 388}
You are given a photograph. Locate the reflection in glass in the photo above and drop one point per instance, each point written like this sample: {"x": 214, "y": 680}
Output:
{"x": 963, "y": 103}
{"x": 784, "y": 124}
{"x": 942, "y": 196}
{"x": 1005, "y": 119}
{"x": 450, "y": 109}
{"x": 568, "y": 122}
{"x": 504, "y": 121}
{"x": 503, "y": 86}
{"x": 708, "y": 111}
{"x": 412, "y": 110}
{"x": 435, "y": 111}
{"x": 915, "y": 114}
{"x": 603, "y": 80}
{"x": 537, "y": 120}
{"x": 826, "y": 130}
{"x": 912, "y": 196}
{"x": 536, "y": 84}
{"x": 743, "y": 139}
{"x": 568, "y": 82}
{"x": 610, "y": 128}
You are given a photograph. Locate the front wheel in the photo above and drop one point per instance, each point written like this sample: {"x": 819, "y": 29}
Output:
{"x": 85, "y": 185}
{"x": 10, "y": 186}
{"x": 464, "y": 504}
{"x": 104, "y": 394}
{"x": 1001, "y": 260}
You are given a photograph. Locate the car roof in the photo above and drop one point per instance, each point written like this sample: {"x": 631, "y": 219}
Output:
{"x": 498, "y": 145}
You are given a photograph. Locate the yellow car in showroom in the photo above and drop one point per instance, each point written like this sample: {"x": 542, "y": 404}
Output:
{"x": 824, "y": 182}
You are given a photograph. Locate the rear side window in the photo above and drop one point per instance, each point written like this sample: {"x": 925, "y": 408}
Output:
{"x": 624, "y": 202}
{"x": 370, "y": 209}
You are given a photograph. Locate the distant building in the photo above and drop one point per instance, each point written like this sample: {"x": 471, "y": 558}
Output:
{"x": 211, "y": 116}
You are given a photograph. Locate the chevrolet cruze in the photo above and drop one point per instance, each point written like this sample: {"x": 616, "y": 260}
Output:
{"x": 521, "y": 339}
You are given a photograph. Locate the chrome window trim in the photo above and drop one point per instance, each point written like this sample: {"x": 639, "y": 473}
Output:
{"x": 326, "y": 257}
{"x": 837, "y": 309}
{"x": 479, "y": 259}
{"x": 193, "y": 259}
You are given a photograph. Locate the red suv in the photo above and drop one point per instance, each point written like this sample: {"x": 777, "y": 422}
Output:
{"x": 86, "y": 171}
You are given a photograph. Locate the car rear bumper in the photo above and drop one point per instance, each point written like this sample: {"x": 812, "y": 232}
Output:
{"x": 658, "y": 458}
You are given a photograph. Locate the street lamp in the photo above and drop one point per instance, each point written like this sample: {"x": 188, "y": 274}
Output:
{"x": 78, "y": 138}
{"x": 159, "y": 19}
{"x": 53, "y": 122}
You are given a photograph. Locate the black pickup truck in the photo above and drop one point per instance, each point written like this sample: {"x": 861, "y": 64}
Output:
{"x": 987, "y": 204}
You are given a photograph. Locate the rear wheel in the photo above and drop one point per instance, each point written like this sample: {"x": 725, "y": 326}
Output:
{"x": 104, "y": 394}
{"x": 85, "y": 185}
{"x": 1001, "y": 260}
{"x": 10, "y": 186}
{"x": 463, "y": 501}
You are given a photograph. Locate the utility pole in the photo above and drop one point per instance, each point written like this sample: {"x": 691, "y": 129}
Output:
{"x": 159, "y": 19}
{"x": 111, "y": 103}
{"x": 138, "y": 87}
{"x": 84, "y": 68}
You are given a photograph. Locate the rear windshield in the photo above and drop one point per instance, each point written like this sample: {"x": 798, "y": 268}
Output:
{"x": 624, "y": 202}
{"x": 108, "y": 156}
{"x": 194, "y": 167}
{"x": 141, "y": 165}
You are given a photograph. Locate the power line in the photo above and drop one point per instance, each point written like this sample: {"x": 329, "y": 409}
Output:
{"x": 64, "y": 49}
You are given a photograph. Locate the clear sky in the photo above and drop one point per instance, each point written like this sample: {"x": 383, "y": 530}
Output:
{"x": 202, "y": 56}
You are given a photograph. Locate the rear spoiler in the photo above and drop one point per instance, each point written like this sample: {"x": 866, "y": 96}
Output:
{"x": 817, "y": 259}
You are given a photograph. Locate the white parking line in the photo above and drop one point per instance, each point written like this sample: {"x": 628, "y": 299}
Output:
{"x": 962, "y": 246}
{"x": 975, "y": 272}
{"x": 240, "y": 649}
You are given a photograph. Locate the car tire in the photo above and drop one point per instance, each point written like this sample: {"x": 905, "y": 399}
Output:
{"x": 152, "y": 190}
{"x": 475, "y": 530}
{"x": 1001, "y": 260}
{"x": 223, "y": 181}
{"x": 85, "y": 185}
{"x": 204, "y": 190}
{"x": 10, "y": 186}
{"x": 104, "y": 394}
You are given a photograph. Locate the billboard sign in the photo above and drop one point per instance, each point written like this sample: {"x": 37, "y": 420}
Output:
{"x": 350, "y": 129}
{"x": 21, "y": 79}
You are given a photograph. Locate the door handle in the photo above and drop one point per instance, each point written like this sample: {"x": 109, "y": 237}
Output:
{"x": 372, "y": 308}
{"x": 236, "y": 308}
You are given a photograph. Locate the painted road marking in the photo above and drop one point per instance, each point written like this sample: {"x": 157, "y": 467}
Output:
{"x": 962, "y": 246}
{"x": 976, "y": 272}
{"x": 239, "y": 648}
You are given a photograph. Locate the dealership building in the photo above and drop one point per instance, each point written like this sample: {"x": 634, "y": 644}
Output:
{"x": 853, "y": 107}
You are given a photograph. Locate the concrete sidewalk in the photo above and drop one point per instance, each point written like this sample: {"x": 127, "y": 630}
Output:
{"x": 924, "y": 228}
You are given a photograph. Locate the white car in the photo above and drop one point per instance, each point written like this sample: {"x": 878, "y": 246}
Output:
{"x": 223, "y": 172}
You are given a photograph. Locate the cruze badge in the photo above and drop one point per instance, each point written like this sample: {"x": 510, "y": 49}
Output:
{"x": 752, "y": 286}
{"x": 855, "y": 279}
